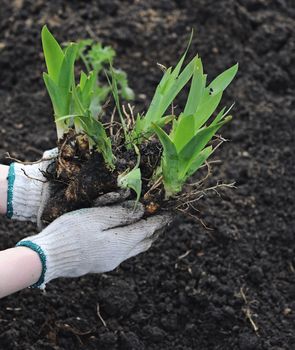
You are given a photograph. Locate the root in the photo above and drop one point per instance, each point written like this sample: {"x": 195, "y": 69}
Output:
{"x": 185, "y": 203}
{"x": 33, "y": 178}
{"x": 155, "y": 185}
{"x": 129, "y": 116}
{"x": 112, "y": 123}
{"x": 196, "y": 218}
{"x": 28, "y": 163}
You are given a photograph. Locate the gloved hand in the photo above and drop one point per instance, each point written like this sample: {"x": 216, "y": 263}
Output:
{"x": 26, "y": 183}
{"x": 93, "y": 240}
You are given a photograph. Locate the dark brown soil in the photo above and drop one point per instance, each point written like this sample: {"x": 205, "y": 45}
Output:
{"x": 77, "y": 177}
{"x": 194, "y": 289}
{"x": 80, "y": 177}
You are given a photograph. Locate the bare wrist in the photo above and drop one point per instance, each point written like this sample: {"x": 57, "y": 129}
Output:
{"x": 20, "y": 267}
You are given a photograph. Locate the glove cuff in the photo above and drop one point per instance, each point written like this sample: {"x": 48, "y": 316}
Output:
{"x": 24, "y": 191}
{"x": 59, "y": 257}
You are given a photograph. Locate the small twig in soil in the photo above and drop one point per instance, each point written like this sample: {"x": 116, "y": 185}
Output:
{"x": 180, "y": 257}
{"x": 247, "y": 310}
{"x": 73, "y": 330}
{"x": 99, "y": 315}
{"x": 162, "y": 67}
{"x": 91, "y": 33}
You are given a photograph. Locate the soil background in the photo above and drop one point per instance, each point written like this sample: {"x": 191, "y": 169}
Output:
{"x": 194, "y": 289}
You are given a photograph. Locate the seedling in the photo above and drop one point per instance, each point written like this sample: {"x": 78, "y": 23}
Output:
{"x": 184, "y": 149}
{"x": 79, "y": 105}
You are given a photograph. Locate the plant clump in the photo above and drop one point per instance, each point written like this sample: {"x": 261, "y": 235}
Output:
{"x": 152, "y": 155}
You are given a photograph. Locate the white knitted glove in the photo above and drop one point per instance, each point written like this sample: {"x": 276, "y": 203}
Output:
{"x": 25, "y": 186}
{"x": 93, "y": 240}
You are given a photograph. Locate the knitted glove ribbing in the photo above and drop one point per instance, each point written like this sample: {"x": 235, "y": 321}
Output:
{"x": 25, "y": 186}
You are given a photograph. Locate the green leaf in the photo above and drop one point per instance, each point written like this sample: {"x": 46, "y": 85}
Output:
{"x": 165, "y": 120}
{"x": 197, "y": 143}
{"x": 132, "y": 180}
{"x": 196, "y": 90}
{"x": 122, "y": 81}
{"x": 114, "y": 88}
{"x": 99, "y": 55}
{"x": 177, "y": 69}
{"x": 58, "y": 103}
{"x": 127, "y": 93}
{"x": 95, "y": 106}
{"x": 57, "y": 99}
{"x": 168, "y": 88}
{"x": 205, "y": 110}
{"x": 176, "y": 87}
{"x": 162, "y": 101}
{"x": 183, "y": 130}
{"x": 222, "y": 114}
{"x": 83, "y": 78}
{"x": 175, "y": 72}
{"x": 66, "y": 117}
{"x": 169, "y": 149}
{"x": 170, "y": 163}
{"x": 164, "y": 82}
{"x": 220, "y": 83}
{"x": 53, "y": 54}
{"x": 95, "y": 130}
{"x": 66, "y": 76}
{"x": 78, "y": 105}
{"x": 88, "y": 90}
{"x": 219, "y": 117}
{"x": 153, "y": 113}
{"x": 195, "y": 163}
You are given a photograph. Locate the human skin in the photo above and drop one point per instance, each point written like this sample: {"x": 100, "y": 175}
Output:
{"x": 20, "y": 267}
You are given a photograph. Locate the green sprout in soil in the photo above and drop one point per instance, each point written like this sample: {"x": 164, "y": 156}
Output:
{"x": 155, "y": 154}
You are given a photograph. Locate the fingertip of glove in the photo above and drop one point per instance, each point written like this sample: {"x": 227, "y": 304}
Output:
{"x": 134, "y": 208}
{"x": 160, "y": 221}
{"x": 51, "y": 153}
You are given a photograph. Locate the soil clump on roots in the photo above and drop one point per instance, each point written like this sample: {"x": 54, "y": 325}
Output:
{"x": 80, "y": 176}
